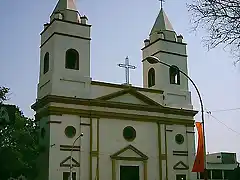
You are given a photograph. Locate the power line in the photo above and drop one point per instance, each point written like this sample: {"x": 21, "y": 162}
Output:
{"x": 221, "y": 110}
{"x": 210, "y": 113}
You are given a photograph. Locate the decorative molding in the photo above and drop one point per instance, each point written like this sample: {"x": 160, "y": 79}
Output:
{"x": 166, "y": 150}
{"x": 166, "y": 40}
{"x": 94, "y": 153}
{"x": 91, "y": 144}
{"x": 75, "y": 163}
{"x": 110, "y": 104}
{"x": 98, "y": 83}
{"x": 113, "y": 169}
{"x": 180, "y": 153}
{"x": 53, "y": 122}
{"x": 61, "y": 20}
{"x": 69, "y": 148}
{"x": 167, "y": 52}
{"x": 134, "y": 93}
{"x": 163, "y": 156}
{"x": 118, "y": 156}
{"x": 185, "y": 167}
{"x": 125, "y": 116}
{"x": 145, "y": 170}
{"x": 129, "y": 158}
{"x": 98, "y": 147}
{"x": 160, "y": 158}
{"x": 44, "y": 84}
{"x": 69, "y": 80}
{"x": 190, "y": 132}
{"x": 63, "y": 34}
{"x": 85, "y": 124}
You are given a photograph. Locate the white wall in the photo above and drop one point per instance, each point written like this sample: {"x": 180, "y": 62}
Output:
{"x": 112, "y": 140}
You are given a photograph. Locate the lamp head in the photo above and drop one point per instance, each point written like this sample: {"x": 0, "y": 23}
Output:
{"x": 152, "y": 60}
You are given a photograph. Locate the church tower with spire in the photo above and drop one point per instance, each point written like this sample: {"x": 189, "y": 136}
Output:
{"x": 65, "y": 53}
{"x": 164, "y": 44}
{"x": 64, "y": 72}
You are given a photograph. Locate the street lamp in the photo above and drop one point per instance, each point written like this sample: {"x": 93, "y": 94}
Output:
{"x": 70, "y": 174}
{"x": 154, "y": 60}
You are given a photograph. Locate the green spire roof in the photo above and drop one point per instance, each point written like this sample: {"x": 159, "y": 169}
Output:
{"x": 162, "y": 23}
{"x": 65, "y": 5}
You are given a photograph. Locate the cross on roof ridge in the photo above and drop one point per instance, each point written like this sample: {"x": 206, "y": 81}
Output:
{"x": 127, "y": 66}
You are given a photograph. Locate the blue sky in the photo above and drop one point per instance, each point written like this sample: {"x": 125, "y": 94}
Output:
{"x": 118, "y": 30}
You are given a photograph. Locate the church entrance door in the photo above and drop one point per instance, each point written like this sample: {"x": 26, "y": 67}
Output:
{"x": 129, "y": 173}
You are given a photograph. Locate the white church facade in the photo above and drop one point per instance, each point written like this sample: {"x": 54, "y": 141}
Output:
{"x": 137, "y": 133}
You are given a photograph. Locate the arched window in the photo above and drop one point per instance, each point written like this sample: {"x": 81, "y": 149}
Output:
{"x": 151, "y": 77}
{"x": 174, "y": 75}
{"x": 72, "y": 59}
{"x": 46, "y": 63}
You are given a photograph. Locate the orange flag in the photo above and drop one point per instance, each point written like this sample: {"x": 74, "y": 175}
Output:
{"x": 199, "y": 161}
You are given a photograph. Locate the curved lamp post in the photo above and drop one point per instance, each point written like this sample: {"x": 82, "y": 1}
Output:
{"x": 154, "y": 60}
{"x": 70, "y": 176}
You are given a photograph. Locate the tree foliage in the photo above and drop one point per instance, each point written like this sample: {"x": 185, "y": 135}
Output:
{"x": 18, "y": 146}
{"x": 235, "y": 174}
{"x": 3, "y": 93}
{"x": 221, "y": 20}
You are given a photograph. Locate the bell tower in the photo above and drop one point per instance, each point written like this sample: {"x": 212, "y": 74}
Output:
{"x": 65, "y": 53}
{"x": 164, "y": 44}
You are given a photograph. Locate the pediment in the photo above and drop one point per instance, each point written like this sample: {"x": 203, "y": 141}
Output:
{"x": 180, "y": 166}
{"x": 66, "y": 162}
{"x": 129, "y": 153}
{"x": 129, "y": 96}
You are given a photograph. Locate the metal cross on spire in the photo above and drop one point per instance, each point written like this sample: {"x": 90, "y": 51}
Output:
{"x": 127, "y": 66}
{"x": 162, "y": 1}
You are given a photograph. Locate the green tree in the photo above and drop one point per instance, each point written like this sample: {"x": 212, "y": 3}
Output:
{"x": 3, "y": 93}
{"x": 221, "y": 20}
{"x": 18, "y": 145}
{"x": 235, "y": 174}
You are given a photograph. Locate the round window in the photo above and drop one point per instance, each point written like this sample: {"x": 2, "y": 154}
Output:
{"x": 43, "y": 132}
{"x": 70, "y": 131}
{"x": 129, "y": 133}
{"x": 179, "y": 138}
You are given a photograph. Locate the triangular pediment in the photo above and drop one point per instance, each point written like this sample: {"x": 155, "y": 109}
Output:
{"x": 66, "y": 162}
{"x": 180, "y": 166}
{"x": 129, "y": 153}
{"x": 129, "y": 96}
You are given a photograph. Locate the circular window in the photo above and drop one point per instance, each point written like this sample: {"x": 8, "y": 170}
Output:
{"x": 129, "y": 133}
{"x": 179, "y": 138}
{"x": 43, "y": 132}
{"x": 70, "y": 131}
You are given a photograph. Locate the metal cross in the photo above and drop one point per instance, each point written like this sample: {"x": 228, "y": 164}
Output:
{"x": 162, "y": 3}
{"x": 127, "y": 66}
